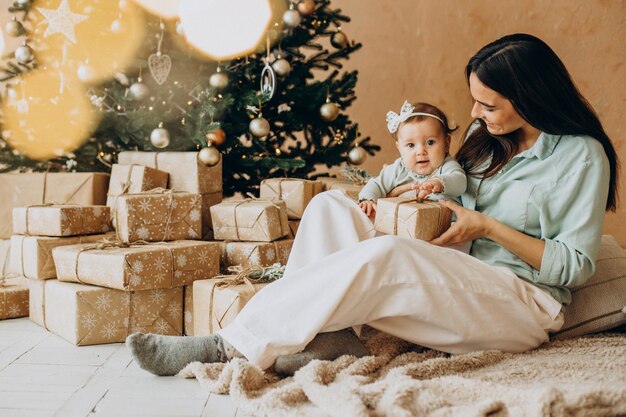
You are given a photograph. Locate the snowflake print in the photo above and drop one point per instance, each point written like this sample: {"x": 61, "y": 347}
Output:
{"x": 143, "y": 233}
{"x": 145, "y": 205}
{"x": 157, "y": 296}
{"x": 194, "y": 215}
{"x": 103, "y": 302}
{"x": 168, "y": 233}
{"x": 203, "y": 257}
{"x": 188, "y": 317}
{"x": 89, "y": 321}
{"x": 147, "y": 184}
{"x": 192, "y": 233}
{"x": 98, "y": 211}
{"x": 137, "y": 267}
{"x": 159, "y": 278}
{"x": 173, "y": 309}
{"x": 271, "y": 253}
{"x": 108, "y": 331}
{"x": 181, "y": 261}
{"x": 135, "y": 280}
{"x": 14, "y": 310}
{"x": 159, "y": 263}
{"x": 67, "y": 231}
{"x": 178, "y": 274}
{"x": 160, "y": 327}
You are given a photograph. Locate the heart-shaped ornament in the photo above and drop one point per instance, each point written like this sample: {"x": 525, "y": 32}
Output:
{"x": 160, "y": 66}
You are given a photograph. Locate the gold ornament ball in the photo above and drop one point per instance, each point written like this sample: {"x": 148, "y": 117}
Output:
{"x": 292, "y": 18}
{"x": 209, "y": 156}
{"x": 14, "y": 28}
{"x": 24, "y": 54}
{"x": 357, "y": 155}
{"x": 139, "y": 91}
{"x": 306, "y": 7}
{"x": 219, "y": 80}
{"x": 217, "y": 137}
{"x": 281, "y": 66}
{"x": 329, "y": 111}
{"x": 339, "y": 40}
{"x": 160, "y": 138}
{"x": 259, "y": 127}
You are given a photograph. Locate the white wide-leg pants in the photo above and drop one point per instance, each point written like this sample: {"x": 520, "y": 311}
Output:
{"x": 339, "y": 275}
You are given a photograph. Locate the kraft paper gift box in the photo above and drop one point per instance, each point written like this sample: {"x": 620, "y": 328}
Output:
{"x": 61, "y": 220}
{"x": 214, "y": 307}
{"x": 351, "y": 189}
{"x": 90, "y": 315}
{"x": 247, "y": 254}
{"x": 188, "y": 310}
{"x": 406, "y": 217}
{"x": 186, "y": 172}
{"x": 31, "y": 256}
{"x": 128, "y": 179}
{"x": 155, "y": 217}
{"x": 138, "y": 267}
{"x": 293, "y": 228}
{"x": 22, "y": 190}
{"x": 13, "y": 301}
{"x": 296, "y": 193}
{"x": 250, "y": 220}
{"x": 208, "y": 200}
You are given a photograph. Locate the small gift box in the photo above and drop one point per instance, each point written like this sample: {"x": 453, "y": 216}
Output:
{"x": 13, "y": 301}
{"x": 247, "y": 254}
{"x": 129, "y": 179}
{"x": 60, "y": 220}
{"x": 296, "y": 193}
{"x": 351, "y": 189}
{"x": 250, "y": 220}
{"x": 138, "y": 267}
{"x": 407, "y": 217}
{"x": 155, "y": 217}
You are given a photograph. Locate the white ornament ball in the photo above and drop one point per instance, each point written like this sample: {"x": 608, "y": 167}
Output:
{"x": 281, "y": 67}
{"x": 209, "y": 156}
{"x": 24, "y": 54}
{"x": 339, "y": 40}
{"x": 357, "y": 155}
{"x": 219, "y": 80}
{"x": 86, "y": 73}
{"x": 329, "y": 111}
{"x": 160, "y": 138}
{"x": 292, "y": 18}
{"x": 306, "y": 7}
{"x": 14, "y": 28}
{"x": 259, "y": 127}
{"x": 116, "y": 26}
{"x": 139, "y": 91}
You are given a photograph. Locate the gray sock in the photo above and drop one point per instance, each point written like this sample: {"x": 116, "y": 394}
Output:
{"x": 324, "y": 346}
{"x": 167, "y": 355}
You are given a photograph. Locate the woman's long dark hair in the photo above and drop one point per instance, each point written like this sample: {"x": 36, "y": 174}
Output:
{"x": 531, "y": 76}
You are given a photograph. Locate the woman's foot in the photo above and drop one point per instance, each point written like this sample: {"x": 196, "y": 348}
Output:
{"x": 324, "y": 346}
{"x": 167, "y": 355}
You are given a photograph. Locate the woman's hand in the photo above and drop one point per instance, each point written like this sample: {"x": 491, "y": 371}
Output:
{"x": 368, "y": 207}
{"x": 469, "y": 225}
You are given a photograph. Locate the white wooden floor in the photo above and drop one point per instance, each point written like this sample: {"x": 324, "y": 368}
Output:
{"x": 42, "y": 375}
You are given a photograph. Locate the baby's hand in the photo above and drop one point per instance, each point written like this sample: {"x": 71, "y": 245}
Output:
{"x": 368, "y": 207}
{"x": 433, "y": 185}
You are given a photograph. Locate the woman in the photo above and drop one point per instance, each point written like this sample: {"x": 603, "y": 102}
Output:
{"x": 541, "y": 173}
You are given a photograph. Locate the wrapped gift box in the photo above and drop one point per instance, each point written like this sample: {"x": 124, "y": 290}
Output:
{"x": 31, "y": 256}
{"x": 296, "y": 193}
{"x": 155, "y": 217}
{"x": 188, "y": 310}
{"x": 129, "y": 179}
{"x": 250, "y": 220}
{"x": 246, "y": 254}
{"x": 90, "y": 315}
{"x": 186, "y": 172}
{"x": 13, "y": 301}
{"x": 138, "y": 267}
{"x": 406, "y": 217}
{"x": 293, "y": 228}
{"x": 351, "y": 189}
{"x": 60, "y": 220}
{"x": 208, "y": 200}
{"x": 22, "y": 190}
{"x": 214, "y": 307}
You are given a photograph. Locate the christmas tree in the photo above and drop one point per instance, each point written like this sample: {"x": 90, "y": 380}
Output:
{"x": 276, "y": 111}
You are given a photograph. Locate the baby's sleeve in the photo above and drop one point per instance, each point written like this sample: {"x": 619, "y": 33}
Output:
{"x": 380, "y": 186}
{"x": 453, "y": 177}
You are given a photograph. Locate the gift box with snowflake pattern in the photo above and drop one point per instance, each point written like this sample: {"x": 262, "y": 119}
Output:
{"x": 61, "y": 220}
{"x": 13, "y": 301}
{"x": 250, "y": 220}
{"x": 133, "y": 178}
{"x": 188, "y": 310}
{"x": 155, "y": 217}
{"x": 90, "y": 315}
{"x": 246, "y": 254}
{"x": 407, "y": 217}
{"x": 138, "y": 267}
{"x": 295, "y": 192}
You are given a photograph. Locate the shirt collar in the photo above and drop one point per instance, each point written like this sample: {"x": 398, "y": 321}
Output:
{"x": 543, "y": 148}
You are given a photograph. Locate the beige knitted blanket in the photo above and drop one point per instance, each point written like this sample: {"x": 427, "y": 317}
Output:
{"x": 583, "y": 377}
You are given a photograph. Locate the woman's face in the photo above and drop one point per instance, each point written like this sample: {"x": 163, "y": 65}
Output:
{"x": 495, "y": 109}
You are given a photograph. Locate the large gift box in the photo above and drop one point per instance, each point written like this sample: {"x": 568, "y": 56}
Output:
{"x": 246, "y": 254}
{"x": 350, "y": 188}
{"x": 296, "y": 193}
{"x": 155, "y": 217}
{"x": 186, "y": 172}
{"x": 90, "y": 315}
{"x": 407, "y": 217}
{"x": 31, "y": 256}
{"x": 138, "y": 267}
{"x": 250, "y": 220}
{"x": 22, "y": 190}
{"x": 188, "y": 310}
{"x": 128, "y": 179}
{"x": 215, "y": 305}
{"x": 13, "y": 300}
{"x": 61, "y": 220}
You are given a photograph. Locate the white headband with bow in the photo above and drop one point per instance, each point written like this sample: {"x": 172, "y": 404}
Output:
{"x": 394, "y": 119}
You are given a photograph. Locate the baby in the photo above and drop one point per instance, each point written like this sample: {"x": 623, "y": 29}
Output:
{"x": 423, "y": 138}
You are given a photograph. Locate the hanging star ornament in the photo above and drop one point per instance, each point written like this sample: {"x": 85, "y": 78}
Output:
{"x": 61, "y": 20}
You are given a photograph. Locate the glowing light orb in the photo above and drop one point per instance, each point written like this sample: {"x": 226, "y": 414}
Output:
{"x": 48, "y": 115}
{"x": 225, "y": 29}
{"x": 167, "y": 9}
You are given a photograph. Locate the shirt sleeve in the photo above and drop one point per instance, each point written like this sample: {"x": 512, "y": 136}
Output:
{"x": 453, "y": 177}
{"x": 572, "y": 220}
{"x": 380, "y": 186}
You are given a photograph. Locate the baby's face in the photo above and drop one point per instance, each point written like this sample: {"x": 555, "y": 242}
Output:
{"x": 423, "y": 145}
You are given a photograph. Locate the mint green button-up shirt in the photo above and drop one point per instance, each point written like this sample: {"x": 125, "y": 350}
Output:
{"x": 555, "y": 191}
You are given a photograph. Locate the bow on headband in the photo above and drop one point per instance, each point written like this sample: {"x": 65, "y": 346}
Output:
{"x": 394, "y": 119}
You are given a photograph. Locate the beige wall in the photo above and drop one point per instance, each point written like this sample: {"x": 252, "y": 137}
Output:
{"x": 418, "y": 49}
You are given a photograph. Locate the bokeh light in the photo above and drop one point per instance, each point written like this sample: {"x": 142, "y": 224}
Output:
{"x": 1, "y": 42}
{"x": 225, "y": 29}
{"x": 167, "y": 9}
{"x": 47, "y": 114}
